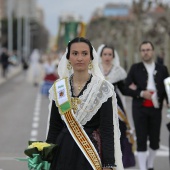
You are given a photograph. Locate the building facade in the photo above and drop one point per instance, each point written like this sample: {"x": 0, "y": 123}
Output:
{"x": 2, "y": 8}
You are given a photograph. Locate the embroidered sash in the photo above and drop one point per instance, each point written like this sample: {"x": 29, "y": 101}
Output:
{"x": 63, "y": 102}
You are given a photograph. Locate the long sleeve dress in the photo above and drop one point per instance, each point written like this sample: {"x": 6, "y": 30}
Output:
{"x": 99, "y": 129}
{"x": 116, "y": 75}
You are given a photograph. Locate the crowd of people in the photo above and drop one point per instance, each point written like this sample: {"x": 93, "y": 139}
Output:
{"x": 42, "y": 71}
{"x": 88, "y": 118}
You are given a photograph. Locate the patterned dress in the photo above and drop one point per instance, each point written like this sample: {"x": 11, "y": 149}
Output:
{"x": 116, "y": 76}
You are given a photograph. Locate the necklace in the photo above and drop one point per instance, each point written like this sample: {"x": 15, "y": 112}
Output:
{"x": 79, "y": 86}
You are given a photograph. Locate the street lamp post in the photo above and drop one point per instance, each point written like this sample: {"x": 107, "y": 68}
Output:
{"x": 19, "y": 38}
{"x": 19, "y": 28}
{"x": 10, "y": 26}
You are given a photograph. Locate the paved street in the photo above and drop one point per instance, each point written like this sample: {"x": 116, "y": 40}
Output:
{"x": 162, "y": 159}
{"x": 20, "y": 120}
{"x": 23, "y": 117}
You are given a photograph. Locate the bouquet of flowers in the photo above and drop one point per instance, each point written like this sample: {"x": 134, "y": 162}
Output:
{"x": 40, "y": 155}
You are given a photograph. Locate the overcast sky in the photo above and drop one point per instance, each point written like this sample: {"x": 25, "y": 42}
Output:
{"x": 54, "y": 8}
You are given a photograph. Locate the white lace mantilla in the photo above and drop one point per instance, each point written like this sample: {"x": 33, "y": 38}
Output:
{"x": 116, "y": 74}
{"x": 96, "y": 93}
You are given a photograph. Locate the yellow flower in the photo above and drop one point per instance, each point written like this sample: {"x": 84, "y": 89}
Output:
{"x": 38, "y": 145}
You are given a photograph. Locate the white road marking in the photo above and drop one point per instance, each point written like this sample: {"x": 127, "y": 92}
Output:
{"x": 34, "y": 133}
{"x": 36, "y": 118}
{"x": 164, "y": 147}
{"x": 35, "y": 125}
{"x": 162, "y": 152}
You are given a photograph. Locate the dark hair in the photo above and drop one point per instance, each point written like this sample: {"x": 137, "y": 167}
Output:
{"x": 80, "y": 39}
{"x": 108, "y": 46}
{"x": 146, "y": 42}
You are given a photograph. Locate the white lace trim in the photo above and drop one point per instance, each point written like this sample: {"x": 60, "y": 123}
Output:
{"x": 97, "y": 92}
{"x": 116, "y": 74}
{"x": 118, "y": 153}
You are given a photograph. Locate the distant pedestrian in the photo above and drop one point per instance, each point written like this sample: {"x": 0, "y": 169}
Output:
{"x": 4, "y": 62}
{"x": 25, "y": 65}
{"x": 34, "y": 72}
{"x": 50, "y": 69}
{"x": 148, "y": 94}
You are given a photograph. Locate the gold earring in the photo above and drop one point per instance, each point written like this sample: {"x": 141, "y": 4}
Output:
{"x": 90, "y": 65}
{"x": 69, "y": 67}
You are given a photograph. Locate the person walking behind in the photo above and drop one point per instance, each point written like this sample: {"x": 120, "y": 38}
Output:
{"x": 50, "y": 76}
{"x": 34, "y": 73}
{"x": 4, "y": 62}
{"x": 115, "y": 74}
{"x": 148, "y": 92}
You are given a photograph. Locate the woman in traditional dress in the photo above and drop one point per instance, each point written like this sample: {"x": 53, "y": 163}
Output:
{"x": 34, "y": 72}
{"x": 83, "y": 118}
{"x": 115, "y": 74}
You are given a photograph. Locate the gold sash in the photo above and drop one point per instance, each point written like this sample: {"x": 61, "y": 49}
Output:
{"x": 128, "y": 134}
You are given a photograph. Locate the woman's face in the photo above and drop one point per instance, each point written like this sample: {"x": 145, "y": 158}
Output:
{"x": 79, "y": 56}
{"x": 107, "y": 56}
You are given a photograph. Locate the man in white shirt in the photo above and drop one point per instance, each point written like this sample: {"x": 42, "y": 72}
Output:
{"x": 148, "y": 95}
